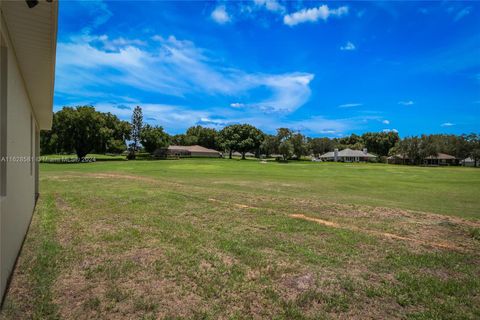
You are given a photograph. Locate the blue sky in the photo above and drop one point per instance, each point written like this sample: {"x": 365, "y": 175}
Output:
{"x": 324, "y": 68}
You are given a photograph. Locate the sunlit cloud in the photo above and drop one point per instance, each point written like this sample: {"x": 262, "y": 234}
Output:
{"x": 349, "y": 105}
{"x": 349, "y": 46}
{"x": 390, "y": 130}
{"x": 220, "y": 15}
{"x": 314, "y": 14}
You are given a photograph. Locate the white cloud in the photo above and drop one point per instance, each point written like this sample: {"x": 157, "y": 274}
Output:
{"x": 237, "y": 105}
{"x": 171, "y": 117}
{"x": 447, "y": 124}
{"x": 220, "y": 15}
{"x": 386, "y": 122}
{"x": 288, "y": 91}
{"x": 176, "y": 68}
{"x": 314, "y": 14}
{"x": 390, "y": 130}
{"x": 177, "y": 118}
{"x": 349, "y": 105}
{"x": 111, "y": 44}
{"x": 406, "y": 103}
{"x": 349, "y": 46}
{"x": 270, "y": 5}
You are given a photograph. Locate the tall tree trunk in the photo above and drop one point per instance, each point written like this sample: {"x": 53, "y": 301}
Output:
{"x": 243, "y": 155}
{"x": 230, "y": 154}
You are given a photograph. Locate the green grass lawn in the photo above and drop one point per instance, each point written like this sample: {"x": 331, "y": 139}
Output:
{"x": 231, "y": 239}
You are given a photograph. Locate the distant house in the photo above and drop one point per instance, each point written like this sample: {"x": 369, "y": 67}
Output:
{"x": 469, "y": 162}
{"x": 348, "y": 155}
{"x": 440, "y": 159}
{"x": 193, "y": 151}
{"x": 399, "y": 159}
{"x": 247, "y": 154}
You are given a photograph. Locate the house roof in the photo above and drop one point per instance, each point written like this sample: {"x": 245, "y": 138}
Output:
{"x": 441, "y": 156}
{"x": 348, "y": 153}
{"x": 32, "y": 33}
{"x": 195, "y": 148}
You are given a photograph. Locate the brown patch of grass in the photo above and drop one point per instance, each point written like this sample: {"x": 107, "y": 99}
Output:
{"x": 441, "y": 245}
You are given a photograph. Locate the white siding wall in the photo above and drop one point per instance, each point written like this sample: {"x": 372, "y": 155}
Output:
{"x": 17, "y": 207}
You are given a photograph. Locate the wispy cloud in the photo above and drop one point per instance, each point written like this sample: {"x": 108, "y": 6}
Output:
{"x": 386, "y": 122}
{"x": 220, "y": 15}
{"x": 314, "y": 14}
{"x": 237, "y": 105}
{"x": 447, "y": 124}
{"x": 270, "y": 5}
{"x": 349, "y": 46}
{"x": 176, "y": 68}
{"x": 406, "y": 103}
{"x": 172, "y": 117}
{"x": 390, "y": 130}
{"x": 95, "y": 13}
{"x": 349, "y": 105}
{"x": 108, "y": 44}
{"x": 212, "y": 123}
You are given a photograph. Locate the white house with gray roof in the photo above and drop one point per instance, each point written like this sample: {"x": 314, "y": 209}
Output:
{"x": 348, "y": 155}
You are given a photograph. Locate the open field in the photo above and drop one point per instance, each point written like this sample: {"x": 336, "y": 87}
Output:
{"x": 199, "y": 238}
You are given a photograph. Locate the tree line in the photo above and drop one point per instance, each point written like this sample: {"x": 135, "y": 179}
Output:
{"x": 84, "y": 130}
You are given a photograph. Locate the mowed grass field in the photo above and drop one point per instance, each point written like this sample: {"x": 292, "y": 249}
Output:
{"x": 230, "y": 239}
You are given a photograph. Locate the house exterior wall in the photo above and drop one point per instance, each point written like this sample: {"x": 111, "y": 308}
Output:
{"x": 205, "y": 154}
{"x": 21, "y": 133}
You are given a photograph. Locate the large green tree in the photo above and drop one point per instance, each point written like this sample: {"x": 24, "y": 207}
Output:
{"x": 82, "y": 130}
{"x": 380, "y": 143}
{"x": 473, "y": 141}
{"x": 319, "y": 146}
{"x": 153, "y": 138}
{"x": 286, "y": 149}
{"x": 299, "y": 144}
{"x": 240, "y": 137}
{"x": 203, "y": 136}
{"x": 269, "y": 145}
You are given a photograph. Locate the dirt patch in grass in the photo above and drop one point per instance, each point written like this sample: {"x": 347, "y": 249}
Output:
{"x": 417, "y": 229}
{"x": 441, "y": 245}
{"x": 320, "y": 221}
{"x": 121, "y": 176}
